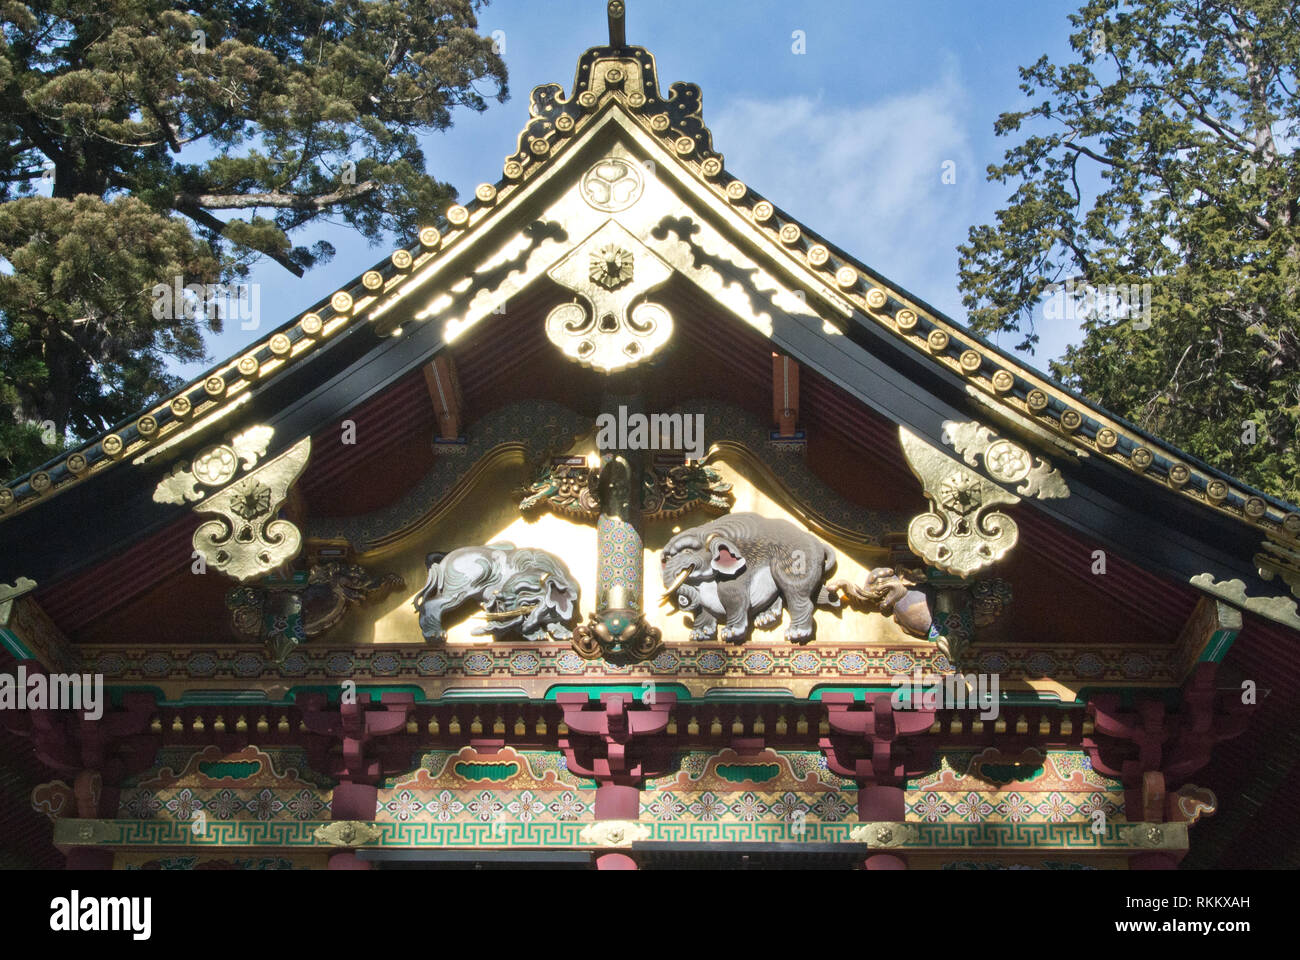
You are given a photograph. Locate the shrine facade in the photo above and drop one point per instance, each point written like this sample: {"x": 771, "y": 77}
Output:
{"x": 624, "y": 521}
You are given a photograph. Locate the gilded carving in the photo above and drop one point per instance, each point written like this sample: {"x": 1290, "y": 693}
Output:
{"x": 214, "y": 467}
{"x": 286, "y": 613}
{"x": 611, "y": 267}
{"x": 348, "y": 833}
{"x": 69, "y": 831}
{"x": 609, "y": 270}
{"x": 614, "y": 833}
{"x": 1005, "y": 462}
{"x": 886, "y": 834}
{"x": 891, "y": 592}
{"x": 962, "y": 532}
{"x": 21, "y": 586}
{"x": 1156, "y": 836}
{"x": 989, "y": 600}
{"x": 1280, "y": 560}
{"x": 668, "y": 491}
{"x": 612, "y": 185}
{"x": 248, "y": 540}
{"x": 1281, "y": 609}
{"x": 530, "y": 592}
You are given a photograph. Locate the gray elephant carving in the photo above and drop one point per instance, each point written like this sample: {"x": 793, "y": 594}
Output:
{"x": 745, "y": 564}
{"x": 521, "y": 590}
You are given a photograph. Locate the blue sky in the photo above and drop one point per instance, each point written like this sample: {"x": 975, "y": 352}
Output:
{"x": 851, "y": 136}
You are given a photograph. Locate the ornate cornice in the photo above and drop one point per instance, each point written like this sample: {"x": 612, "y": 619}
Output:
{"x": 626, "y": 78}
{"x": 1079, "y": 839}
{"x": 1056, "y": 671}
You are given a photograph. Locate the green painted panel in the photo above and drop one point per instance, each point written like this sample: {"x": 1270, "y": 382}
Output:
{"x": 235, "y": 770}
{"x": 1218, "y": 647}
{"x": 486, "y": 771}
{"x": 15, "y": 646}
{"x": 635, "y": 691}
{"x": 757, "y": 772}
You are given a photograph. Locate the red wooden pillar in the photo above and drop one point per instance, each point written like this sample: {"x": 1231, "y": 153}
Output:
{"x": 884, "y": 861}
{"x": 1153, "y": 861}
{"x": 357, "y": 725}
{"x": 615, "y": 861}
{"x": 867, "y": 742}
{"x": 347, "y": 860}
{"x": 444, "y": 390}
{"x": 785, "y": 394}
{"x": 618, "y": 741}
{"x": 95, "y": 755}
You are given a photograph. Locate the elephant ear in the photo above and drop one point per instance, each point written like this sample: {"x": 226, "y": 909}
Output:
{"x": 727, "y": 558}
{"x": 559, "y": 597}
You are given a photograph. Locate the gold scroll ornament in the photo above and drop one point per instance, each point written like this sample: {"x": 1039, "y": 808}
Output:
{"x": 610, "y": 270}
{"x": 963, "y": 532}
{"x": 248, "y": 540}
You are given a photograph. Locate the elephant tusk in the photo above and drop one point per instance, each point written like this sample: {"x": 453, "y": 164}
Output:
{"x": 507, "y": 614}
{"x": 681, "y": 578}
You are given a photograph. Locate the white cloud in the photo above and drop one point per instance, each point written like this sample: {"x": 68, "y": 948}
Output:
{"x": 868, "y": 177}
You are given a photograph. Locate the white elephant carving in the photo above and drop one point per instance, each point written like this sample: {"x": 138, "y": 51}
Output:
{"x": 527, "y": 591}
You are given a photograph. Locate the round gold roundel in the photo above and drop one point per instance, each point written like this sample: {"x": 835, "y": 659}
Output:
{"x": 613, "y": 184}
{"x": 215, "y": 467}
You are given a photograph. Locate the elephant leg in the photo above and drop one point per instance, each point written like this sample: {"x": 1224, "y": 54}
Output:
{"x": 703, "y": 625}
{"x": 771, "y": 615}
{"x": 431, "y": 620}
{"x": 734, "y": 597}
{"x": 559, "y": 631}
{"x": 801, "y": 617}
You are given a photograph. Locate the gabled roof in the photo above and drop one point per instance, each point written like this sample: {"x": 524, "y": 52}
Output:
{"x": 815, "y": 302}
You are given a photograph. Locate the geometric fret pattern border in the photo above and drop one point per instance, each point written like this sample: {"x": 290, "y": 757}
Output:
{"x": 968, "y": 837}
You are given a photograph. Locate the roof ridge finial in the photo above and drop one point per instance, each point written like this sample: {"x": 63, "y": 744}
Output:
{"x": 617, "y": 11}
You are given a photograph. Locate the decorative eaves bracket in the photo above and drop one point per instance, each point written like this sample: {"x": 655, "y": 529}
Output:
{"x": 247, "y": 539}
{"x": 963, "y": 532}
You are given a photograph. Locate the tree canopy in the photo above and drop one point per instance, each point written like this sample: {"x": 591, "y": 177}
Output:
{"x": 1166, "y": 154}
{"x": 147, "y": 140}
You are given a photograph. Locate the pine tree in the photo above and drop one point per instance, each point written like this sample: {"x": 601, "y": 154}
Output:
{"x": 1167, "y": 154}
{"x": 147, "y": 141}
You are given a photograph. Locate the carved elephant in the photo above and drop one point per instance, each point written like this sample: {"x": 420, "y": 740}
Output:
{"x": 745, "y": 564}
{"x": 527, "y": 591}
